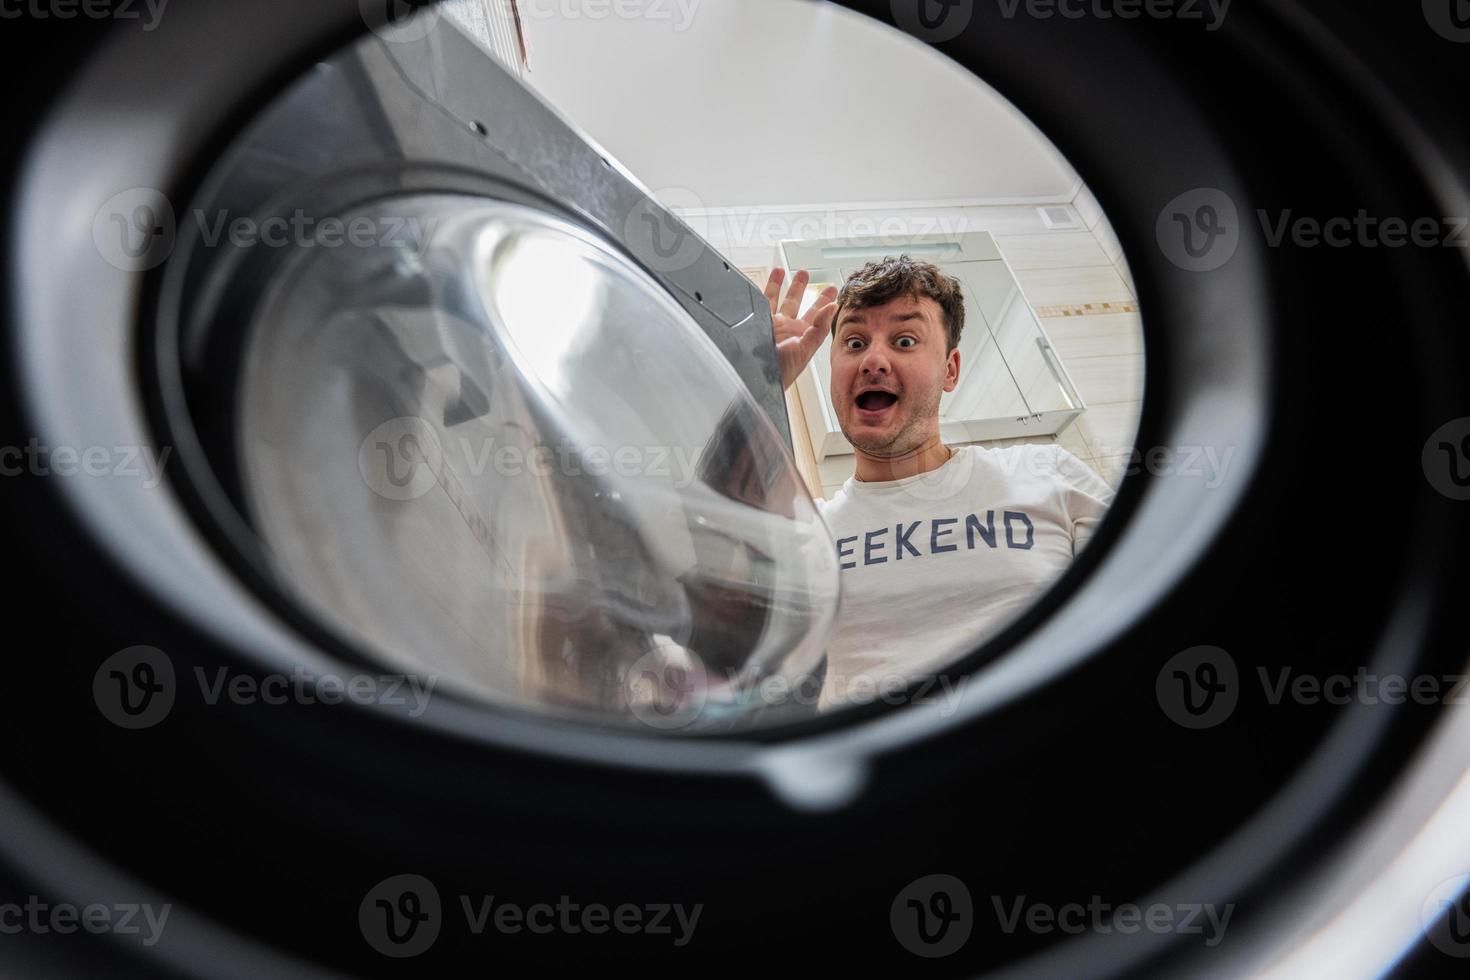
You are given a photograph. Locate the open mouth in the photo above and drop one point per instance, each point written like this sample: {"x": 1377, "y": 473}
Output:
{"x": 875, "y": 402}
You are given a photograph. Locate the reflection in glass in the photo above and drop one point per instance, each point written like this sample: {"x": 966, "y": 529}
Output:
{"x": 510, "y": 459}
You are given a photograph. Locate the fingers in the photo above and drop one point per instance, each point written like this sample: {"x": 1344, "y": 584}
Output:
{"x": 812, "y": 340}
{"x": 773, "y": 287}
{"x": 792, "y": 306}
{"x": 824, "y": 307}
{"x": 821, "y": 311}
{"x": 821, "y": 326}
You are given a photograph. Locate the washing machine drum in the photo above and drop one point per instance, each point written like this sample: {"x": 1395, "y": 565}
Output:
{"x": 472, "y": 434}
{"x": 455, "y": 413}
{"x": 515, "y": 462}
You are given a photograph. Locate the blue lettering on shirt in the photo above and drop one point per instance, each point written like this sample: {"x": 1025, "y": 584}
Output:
{"x": 934, "y": 532}
{"x": 972, "y": 528}
{"x": 939, "y": 529}
{"x": 868, "y": 547}
{"x": 901, "y": 539}
{"x": 1010, "y": 535}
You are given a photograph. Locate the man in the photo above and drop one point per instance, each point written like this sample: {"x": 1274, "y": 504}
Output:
{"x": 939, "y": 546}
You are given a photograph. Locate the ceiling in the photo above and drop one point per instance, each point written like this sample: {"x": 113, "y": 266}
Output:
{"x": 741, "y": 103}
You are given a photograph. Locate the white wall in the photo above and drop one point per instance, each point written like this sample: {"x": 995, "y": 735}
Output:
{"x": 783, "y": 102}
{"x": 763, "y": 120}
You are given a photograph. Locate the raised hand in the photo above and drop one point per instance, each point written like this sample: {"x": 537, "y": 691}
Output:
{"x": 798, "y": 337}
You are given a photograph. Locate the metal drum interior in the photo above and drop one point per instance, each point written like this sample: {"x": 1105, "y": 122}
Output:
{"x": 503, "y": 455}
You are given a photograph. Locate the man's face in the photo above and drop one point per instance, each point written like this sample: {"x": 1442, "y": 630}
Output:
{"x": 889, "y": 369}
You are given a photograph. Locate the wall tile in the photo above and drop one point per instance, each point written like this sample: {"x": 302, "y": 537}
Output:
{"x": 1108, "y": 241}
{"x": 1054, "y": 250}
{"x": 1110, "y": 429}
{"x": 1074, "y": 441}
{"x": 1100, "y": 380}
{"x": 1018, "y": 220}
{"x": 1095, "y": 336}
{"x": 1062, "y": 287}
{"x": 1087, "y": 207}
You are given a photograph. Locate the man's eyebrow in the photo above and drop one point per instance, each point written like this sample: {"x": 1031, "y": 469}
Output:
{"x": 856, "y": 315}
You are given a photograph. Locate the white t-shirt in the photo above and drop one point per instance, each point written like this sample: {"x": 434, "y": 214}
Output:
{"x": 935, "y": 564}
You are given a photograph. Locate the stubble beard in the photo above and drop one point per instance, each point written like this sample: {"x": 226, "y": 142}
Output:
{"x": 916, "y": 431}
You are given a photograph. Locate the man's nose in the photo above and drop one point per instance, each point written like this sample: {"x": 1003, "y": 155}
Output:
{"x": 875, "y": 361}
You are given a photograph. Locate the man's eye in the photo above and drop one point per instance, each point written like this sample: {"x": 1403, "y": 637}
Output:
{"x": 910, "y": 340}
{"x": 850, "y": 341}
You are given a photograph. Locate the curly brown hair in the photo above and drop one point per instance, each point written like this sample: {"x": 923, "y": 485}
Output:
{"x": 880, "y": 281}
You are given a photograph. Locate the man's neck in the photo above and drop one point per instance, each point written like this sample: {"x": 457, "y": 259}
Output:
{"x": 877, "y": 469}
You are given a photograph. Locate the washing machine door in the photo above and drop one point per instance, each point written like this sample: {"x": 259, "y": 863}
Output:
{"x": 513, "y": 461}
{"x": 514, "y": 428}
{"x": 467, "y": 541}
